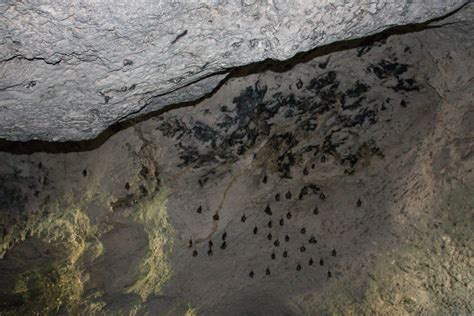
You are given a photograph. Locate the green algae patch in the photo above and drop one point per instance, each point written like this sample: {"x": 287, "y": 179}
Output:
{"x": 58, "y": 284}
{"x": 155, "y": 270}
{"x": 47, "y": 290}
{"x": 93, "y": 304}
{"x": 71, "y": 230}
{"x": 191, "y": 311}
{"x": 65, "y": 224}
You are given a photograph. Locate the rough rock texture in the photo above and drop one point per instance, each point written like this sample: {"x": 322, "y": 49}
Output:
{"x": 68, "y": 70}
{"x": 369, "y": 149}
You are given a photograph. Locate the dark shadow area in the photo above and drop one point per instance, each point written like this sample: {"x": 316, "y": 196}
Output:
{"x": 29, "y": 147}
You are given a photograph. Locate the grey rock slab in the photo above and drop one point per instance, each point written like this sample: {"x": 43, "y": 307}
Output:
{"x": 70, "y": 69}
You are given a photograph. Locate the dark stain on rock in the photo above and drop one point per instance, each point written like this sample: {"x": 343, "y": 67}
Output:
{"x": 407, "y": 85}
{"x": 325, "y": 80}
{"x": 385, "y": 69}
{"x": 204, "y": 133}
{"x": 358, "y": 89}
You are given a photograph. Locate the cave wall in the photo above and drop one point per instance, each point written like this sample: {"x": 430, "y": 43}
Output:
{"x": 368, "y": 148}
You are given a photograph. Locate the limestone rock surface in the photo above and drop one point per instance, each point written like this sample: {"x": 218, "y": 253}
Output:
{"x": 70, "y": 69}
